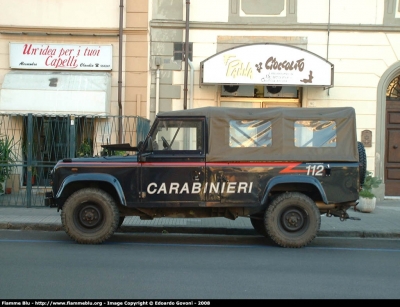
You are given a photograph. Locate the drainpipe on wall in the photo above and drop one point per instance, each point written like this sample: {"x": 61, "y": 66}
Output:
{"x": 157, "y": 89}
{"x": 185, "y": 90}
{"x": 327, "y": 43}
{"x": 121, "y": 11}
{"x": 191, "y": 84}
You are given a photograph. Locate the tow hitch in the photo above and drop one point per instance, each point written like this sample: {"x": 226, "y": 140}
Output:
{"x": 342, "y": 214}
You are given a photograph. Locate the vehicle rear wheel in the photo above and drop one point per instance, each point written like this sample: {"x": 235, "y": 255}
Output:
{"x": 90, "y": 216}
{"x": 292, "y": 220}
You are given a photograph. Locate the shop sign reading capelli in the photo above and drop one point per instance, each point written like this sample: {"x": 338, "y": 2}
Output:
{"x": 60, "y": 56}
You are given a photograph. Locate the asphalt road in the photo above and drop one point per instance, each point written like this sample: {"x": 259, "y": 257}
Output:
{"x": 49, "y": 265}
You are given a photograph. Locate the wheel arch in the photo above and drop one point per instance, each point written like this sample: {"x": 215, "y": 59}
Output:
{"x": 106, "y": 182}
{"x": 305, "y": 184}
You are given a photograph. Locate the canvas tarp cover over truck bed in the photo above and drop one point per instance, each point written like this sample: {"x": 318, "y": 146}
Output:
{"x": 282, "y": 128}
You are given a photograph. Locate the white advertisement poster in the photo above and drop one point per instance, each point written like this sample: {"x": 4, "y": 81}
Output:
{"x": 60, "y": 56}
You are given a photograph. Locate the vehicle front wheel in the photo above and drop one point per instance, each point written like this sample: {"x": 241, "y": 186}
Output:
{"x": 292, "y": 220}
{"x": 90, "y": 216}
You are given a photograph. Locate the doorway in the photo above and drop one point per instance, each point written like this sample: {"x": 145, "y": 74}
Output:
{"x": 259, "y": 96}
{"x": 52, "y": 140}
{"x": 49, "y": 143}
{"x": 392, "y": 146}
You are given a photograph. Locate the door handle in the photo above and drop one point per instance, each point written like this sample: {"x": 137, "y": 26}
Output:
{"x": 395, "y": 146}
{"x": 196, "y": 176}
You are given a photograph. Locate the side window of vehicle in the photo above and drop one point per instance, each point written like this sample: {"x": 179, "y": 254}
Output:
{"x": 310, "y": 133}
{"x": 183, "y": 135}
{"x": 250, "y": 133}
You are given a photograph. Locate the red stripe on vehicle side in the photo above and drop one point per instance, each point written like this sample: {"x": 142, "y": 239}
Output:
{"x": 290, "y": 169}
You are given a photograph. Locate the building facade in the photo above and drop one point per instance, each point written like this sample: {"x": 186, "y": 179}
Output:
{"x": 59, "y": 26}
{"x": 76, "y": 66}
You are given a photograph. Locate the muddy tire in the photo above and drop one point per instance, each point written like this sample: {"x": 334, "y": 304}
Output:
{"x": 90, "y": 216}
{"x": 292, "y": 220}
{"x": 362, "y": 158}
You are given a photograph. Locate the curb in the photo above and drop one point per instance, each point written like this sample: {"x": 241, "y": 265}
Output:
{"x": 358, "y": 234}
{"x": 200, "y": 230}
{"x": 25, "y": 226}
{"x": 139, "y": 229}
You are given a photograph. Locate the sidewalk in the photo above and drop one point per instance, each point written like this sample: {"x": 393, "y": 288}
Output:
{"x": 384, "y": 221}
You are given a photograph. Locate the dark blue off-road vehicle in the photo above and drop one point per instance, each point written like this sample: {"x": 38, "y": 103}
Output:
{"x": 280, "y": 167}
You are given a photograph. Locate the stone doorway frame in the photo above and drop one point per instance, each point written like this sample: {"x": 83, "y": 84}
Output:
{"x": 380, "y": 142}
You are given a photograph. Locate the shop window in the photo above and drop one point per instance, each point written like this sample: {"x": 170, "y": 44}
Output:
{"x": 391, "y": 15}
{"x": 262, "y": 11}
{"x": 179, "y": 51}
{"x": 263, "y": 7}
